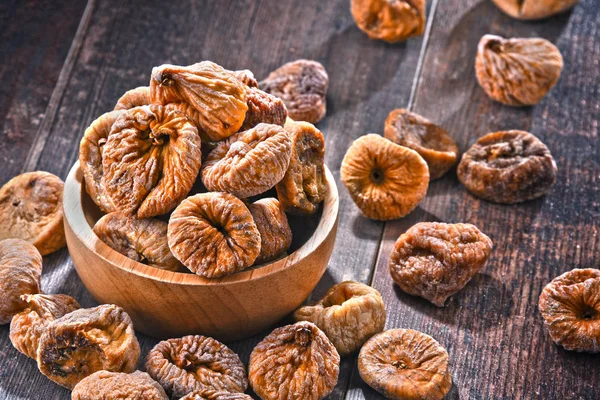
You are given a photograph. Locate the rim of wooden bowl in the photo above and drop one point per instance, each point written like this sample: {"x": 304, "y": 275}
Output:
{"x": 76, "y": 219}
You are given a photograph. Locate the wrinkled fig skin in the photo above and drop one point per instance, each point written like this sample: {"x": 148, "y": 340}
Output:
{"x": 392, "y": 21}
{"x": 274, "y": 229}
{"x": 294, "y": 362}
{"x": 105, "y": 385}
{"x": 508, "y": 167}
{"x": 534, "y": 9}
{"x": 209, "y": 394}
{"x": 263, "y": 107}
{"x": 349, "y": 314}
{"x": 403, "y": 364}
{"x": 193, "y": 363}
{"x": 570, "y": 305}
{"x": 20, "y": 273}
{"x": 246, "y": 77}
{"x": 27, "y": 327}
{"x": 517, "y": 72}
{"x": 86, "y": 341}
{"x": 139, "y": 96}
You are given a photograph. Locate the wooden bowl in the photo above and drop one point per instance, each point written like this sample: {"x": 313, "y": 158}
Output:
{"x": 167, "y": 304}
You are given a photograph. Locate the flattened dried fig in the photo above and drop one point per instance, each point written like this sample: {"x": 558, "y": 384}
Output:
{"x": 570, "y": 305}
{"x": 85, "y": 341}
{"x": 105, "y": 385}
{"x": 385, "y": 180}
{"x": 213, "y": 234}
{"x": 294, "y": 362}
{"x": 403, "y": 364}
{"x": 140, "y": 96}
{"x": 392, "y": 21}
{"x": 263, "y": 107}
{"x": 517, "y": 72}
{"x": 272, "y": 224}
{"x": 507, "y": 167}
{"x": 209, "y": 394}
{"x": 150, "y": 161}
{"x": 349, "y": 314}
{"x": 433, "y": 143}
{"x": 31, "y": 209}
{"x": 534, "y": 9}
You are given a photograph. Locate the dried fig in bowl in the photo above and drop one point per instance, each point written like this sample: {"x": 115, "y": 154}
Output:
{"x": 105, "y": 385}
{"x": 534, "y": 9}
{"x": 139, "y": 96}
{"x": 392, "y": 21}
{"x": 263, "y": 107}
{"x": 274, "y": 229}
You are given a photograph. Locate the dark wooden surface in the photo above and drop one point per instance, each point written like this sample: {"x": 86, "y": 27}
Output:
{"x": 64, "y": 63}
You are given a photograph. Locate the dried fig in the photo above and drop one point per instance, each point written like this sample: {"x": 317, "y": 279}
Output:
{"x": 20, "y": 273}
{"x": 435, "y": 260}
{"x": 209, "y": 394}
{"x": 349, "y": 314}
{"x": 433, "y": 143}
{"x": 403, "y": 364}
{"x": 31, "y": 209}
{"x": 385, "y": 180}
{"x": 533, "y": 9}
{"x": 246, "y": 77}
{"x": 517, "y": 72}
{"x": 507, "y": 167}
{"x": 213, "y": 234}
{"x": 272, "y": 224}
{"x": 263, "y": 107}
{"x": 570, "y": 305}
{"x": 140, "y": 96}
{"x": 150, "y": 160}
{"x": 389, "y": 20}
{"x": 105, "y": 385}
{"x": 194, "y": 363}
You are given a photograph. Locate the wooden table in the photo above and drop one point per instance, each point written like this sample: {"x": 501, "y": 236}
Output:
{"x": 64, "y": 63}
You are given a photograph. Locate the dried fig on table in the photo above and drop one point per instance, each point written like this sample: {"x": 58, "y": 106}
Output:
{"x": 193, "y": 363}
{"x": 302, "y": 85}
{"x": 274, "y": 229}
{"x": 210, "y": 394}
{"x": 404, "y": 364}
{"x": 263, "y": 107}
{"x": 142, "y": 240}
{"x": 507, "y": 167}
{"x": 105, "y": 385}
{"x": 86, "y": 341}
{"x": 213, "y": 234}
{"x": 31, "y": 208}
{"x": 248, "y": 163}
{"x": 385, "y": 180}
{"x": 304, "y": 184}
{"x": 27, "y": 327}
{"x": 150, "y": 160}
{"x": 140, "y": 96}
{"x": 392, "y": 21}
{"x": 517, "y": 72}
{"x": 294, "y": 362}
{"x": 435, "y": 260}
{"x": 20, "y": 273}
{"x": 349, "y": 314}
{"x": 570, "y": 305}
{"x": 534, "y": 9}
{"x": 433, "y": 143}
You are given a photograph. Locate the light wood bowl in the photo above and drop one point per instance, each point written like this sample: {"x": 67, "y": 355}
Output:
{"x": 167, "y": 304}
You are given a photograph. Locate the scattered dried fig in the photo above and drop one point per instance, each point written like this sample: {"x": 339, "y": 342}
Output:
{"x": 263, "y": 107}
{"x": 302, "y": 85}
{"x": 105, "y": 385}
{"x": 533, "y": 9}
{"x": 507, "y": 167}
{"x": 194, "y": 363}
{"x": 433, "y": 143}
{"x": 31, "y": 209}
{"x": 385, "y": 180}
{"x": 210, "y": 394}
{"x": 570, "y": 305}
{"x": 150, "y": 161}
{"x": 403, "y": 364}
{"x": 392, "y": 21}
{"x": 213, "y": 234}
{"x": 85, "y": 341}
{"x": 140, "y": 96}
{"x": 272, "y": 224}
{"x": 517, "y": 72}
{"x": 349, "y": 314}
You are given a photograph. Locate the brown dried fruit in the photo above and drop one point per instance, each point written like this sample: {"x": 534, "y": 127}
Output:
{"x": 263, "y": 107}
{"x": 272, "y": 224}
{"x": 435, "y": 260}
{"x": 85, "y": 341}
{"x": 403, "y": 364}
{"x": 294, "y": 362}
{"x": 517, "y": 72}
{"x": 142, "y": 240}
{"x": 570, "y": 305}
{"x": 20, "y": 273}
{"x": 304, "y": 184}
{"x": 432, "y": 142}
{"x": 213, "y": 234}
{"x": 533, "y": 9}
{"x": 209, "y": 394}
{"x": 392, "y": 21}
{"x": 302, "y": 85}
{"x": 140, "y": 96}
{"x": 507, "y": 167}
{"x": 31, "y": 208}
{"x": 194, "y": 363}
{"x": 248, "y": 163}
{"x": 216, "y": 95}
{"x": 150, "y": 161}
{"x": 27, "y": 327}
{"x": 246, "y": 77}
{"x": 349, "y": 314}
{"x": 385, "y": 180}
{"x": 105, "y": 385}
